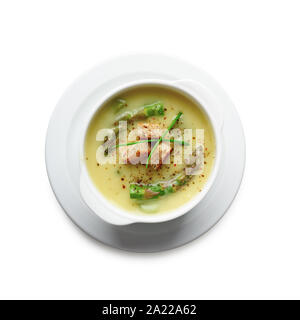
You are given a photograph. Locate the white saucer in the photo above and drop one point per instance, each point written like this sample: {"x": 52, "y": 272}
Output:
{"x": 63, "y": 149}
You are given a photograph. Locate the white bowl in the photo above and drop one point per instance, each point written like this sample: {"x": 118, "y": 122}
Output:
{"x": 115, "y": 215}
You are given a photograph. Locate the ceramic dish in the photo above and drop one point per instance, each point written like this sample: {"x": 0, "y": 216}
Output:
{"x": 115, "y": 215}
{"x": 67, "y": 173}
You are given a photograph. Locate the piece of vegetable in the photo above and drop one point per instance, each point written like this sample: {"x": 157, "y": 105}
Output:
{"x": 149, "y": 206}
{"x": 163, "y": 135}
{"x": 161, "y": 188}
{"x": 154, "y": 140}
{"x": 154, "y": 109}
{"x": 155, "y": 190}
{"x": 119, "y": 104}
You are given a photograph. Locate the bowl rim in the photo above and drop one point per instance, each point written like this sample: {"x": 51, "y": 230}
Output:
{"x": 125, "y": 216}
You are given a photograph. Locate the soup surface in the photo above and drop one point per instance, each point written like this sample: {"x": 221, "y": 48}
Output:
{"x": 115, "y": 181}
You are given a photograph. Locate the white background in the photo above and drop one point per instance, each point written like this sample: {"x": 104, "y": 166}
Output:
{"x": 252, "y": 48}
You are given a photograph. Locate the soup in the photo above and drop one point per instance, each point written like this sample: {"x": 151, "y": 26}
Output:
{"x": 146, "y": 176}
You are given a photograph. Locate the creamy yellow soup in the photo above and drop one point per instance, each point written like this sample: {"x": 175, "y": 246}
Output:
{"x": 113, "y": 180}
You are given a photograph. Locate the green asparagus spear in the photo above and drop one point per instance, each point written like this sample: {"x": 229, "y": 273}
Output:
{"x": 119, "y": 104}
{"x": 161, "y": 188}
{"x": 153, "y": 191}
{"x": 154, "y": 109}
